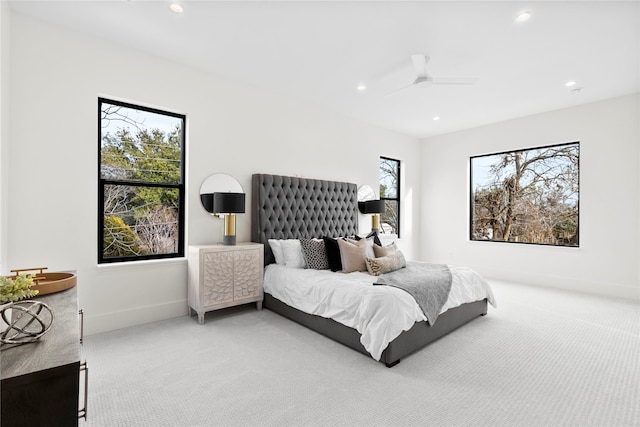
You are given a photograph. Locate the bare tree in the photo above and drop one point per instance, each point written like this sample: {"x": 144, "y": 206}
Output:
{"x": 532, "y": 198}
{"x": 158, "y": 229}
{"x": 116, "y": 113}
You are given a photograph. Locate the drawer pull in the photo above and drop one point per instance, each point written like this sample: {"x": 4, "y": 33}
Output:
{"x": 82, "y": 413}
{"x": 81, "y": 313}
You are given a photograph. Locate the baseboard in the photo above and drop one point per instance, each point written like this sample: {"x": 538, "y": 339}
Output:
{"x": 95, "y": 324}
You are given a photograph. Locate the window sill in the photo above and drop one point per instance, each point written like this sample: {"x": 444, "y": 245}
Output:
{"x": 141, "y": 264}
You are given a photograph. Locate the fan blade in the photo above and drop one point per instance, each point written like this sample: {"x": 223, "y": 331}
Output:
{"x": 397, "y": 90}
{"x": 454, "y": 81}
{"x": 420, "y": 64}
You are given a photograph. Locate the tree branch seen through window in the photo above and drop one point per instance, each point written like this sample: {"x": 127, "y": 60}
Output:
{"x": 527, "y": 196}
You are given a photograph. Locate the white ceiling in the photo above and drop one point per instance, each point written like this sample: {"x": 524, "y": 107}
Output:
{"x": 319, "y": 51}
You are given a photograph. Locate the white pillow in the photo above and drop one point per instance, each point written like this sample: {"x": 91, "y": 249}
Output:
{"x": 292, "y": 251}
{"x": 276, "y": 248}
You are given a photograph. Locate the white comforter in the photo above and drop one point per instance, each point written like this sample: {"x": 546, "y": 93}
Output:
{"x": 378, "y": 313}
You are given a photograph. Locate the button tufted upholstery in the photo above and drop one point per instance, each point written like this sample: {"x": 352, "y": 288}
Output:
{"x": 285, "y": 207}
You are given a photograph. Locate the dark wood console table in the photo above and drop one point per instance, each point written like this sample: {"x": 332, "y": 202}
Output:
{"x": 41, "y": 380}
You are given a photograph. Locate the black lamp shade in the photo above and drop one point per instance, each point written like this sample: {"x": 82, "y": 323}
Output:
{"x": 228, "y": 203}
{"x": 207, "y": 202}
{"x": 371, "y": 206}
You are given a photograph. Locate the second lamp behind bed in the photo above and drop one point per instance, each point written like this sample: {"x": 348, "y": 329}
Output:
{"x": 374, "y": 207}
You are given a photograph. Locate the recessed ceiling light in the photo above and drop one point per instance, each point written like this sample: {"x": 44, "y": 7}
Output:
{"x": 436, "y": 118}
{"x": 524, "y": 16}
{"x": 569, "y": 84}
{"x": 175, "y": 7}
{"x": 362, "y": 87}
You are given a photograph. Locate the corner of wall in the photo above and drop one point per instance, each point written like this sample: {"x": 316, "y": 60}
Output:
{"x": 4, "y": 127}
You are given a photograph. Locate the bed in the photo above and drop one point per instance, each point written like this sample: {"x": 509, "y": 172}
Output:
{"x": 300, "y": 208}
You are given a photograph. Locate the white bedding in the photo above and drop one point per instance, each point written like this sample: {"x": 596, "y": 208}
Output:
{"x": 378, "y": 313}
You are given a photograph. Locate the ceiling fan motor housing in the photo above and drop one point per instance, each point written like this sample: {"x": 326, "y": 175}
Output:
{"x": 423, "y": 81}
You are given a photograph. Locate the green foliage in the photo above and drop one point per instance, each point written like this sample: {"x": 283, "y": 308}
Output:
{"x": 16, "y": 288}
{"x": 148, "y": 156}
{"x": 119, "y": 239}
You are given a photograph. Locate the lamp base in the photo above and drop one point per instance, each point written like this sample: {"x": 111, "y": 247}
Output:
{"x": 229, "y": 240}
{"x": 375, "y": 222}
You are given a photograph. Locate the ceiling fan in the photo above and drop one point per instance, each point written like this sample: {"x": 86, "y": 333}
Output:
{"x": 423, "y": 79}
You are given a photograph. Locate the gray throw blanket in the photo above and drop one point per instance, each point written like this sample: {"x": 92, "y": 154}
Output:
{"x": 429, "y": 284}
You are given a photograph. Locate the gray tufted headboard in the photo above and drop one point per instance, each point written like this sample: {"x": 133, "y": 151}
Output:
{"x": 285, "y": 207}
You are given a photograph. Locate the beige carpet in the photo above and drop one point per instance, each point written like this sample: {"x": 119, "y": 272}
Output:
{"x": 543, "y": 358}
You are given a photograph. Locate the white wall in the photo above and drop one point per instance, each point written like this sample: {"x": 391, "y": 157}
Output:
{"x": 56, "y": 78}
{"x": 607, "y": 260}
{"x": 4, "y": 123}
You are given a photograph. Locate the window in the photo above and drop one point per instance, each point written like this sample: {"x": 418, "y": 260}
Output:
{"x": 527, "y": 196}
{"x": 141, "y": 182}
{"x": 390, "y": 193}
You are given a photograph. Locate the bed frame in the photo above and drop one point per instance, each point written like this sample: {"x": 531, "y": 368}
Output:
{"x": 286, "y": 207}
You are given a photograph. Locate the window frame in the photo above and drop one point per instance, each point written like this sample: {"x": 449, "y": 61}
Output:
{"x": 180, "y": 186}
{"x": 472, "y": 195}
{"x": 398, "y": 191}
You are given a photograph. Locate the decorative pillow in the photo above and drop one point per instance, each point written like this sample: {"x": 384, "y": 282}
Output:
{"x": 381, "y": 251}
{"x": 385, "y": 264}
{"x": 292, "y": 251}
{"x": 353, "y": 255}
{"x": 315, "y": 254}
{"x": 369, "y": 244}
{"x": 333, "y": 253}
{"x": 276, "y": 248}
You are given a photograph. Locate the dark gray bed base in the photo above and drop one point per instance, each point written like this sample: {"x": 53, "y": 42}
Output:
{"x": 406, "y": 343}
{"x": 285, "y": 207}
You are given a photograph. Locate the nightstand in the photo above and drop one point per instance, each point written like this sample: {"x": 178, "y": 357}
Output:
{"x": 223, "y": 276}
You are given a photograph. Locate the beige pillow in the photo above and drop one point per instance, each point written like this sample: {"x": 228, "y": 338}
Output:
{"x": 385, "y": 264}
{"x": 381, "y": 251}
{"x": 369, "y": 247}
{"x": 353, "y": 255}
